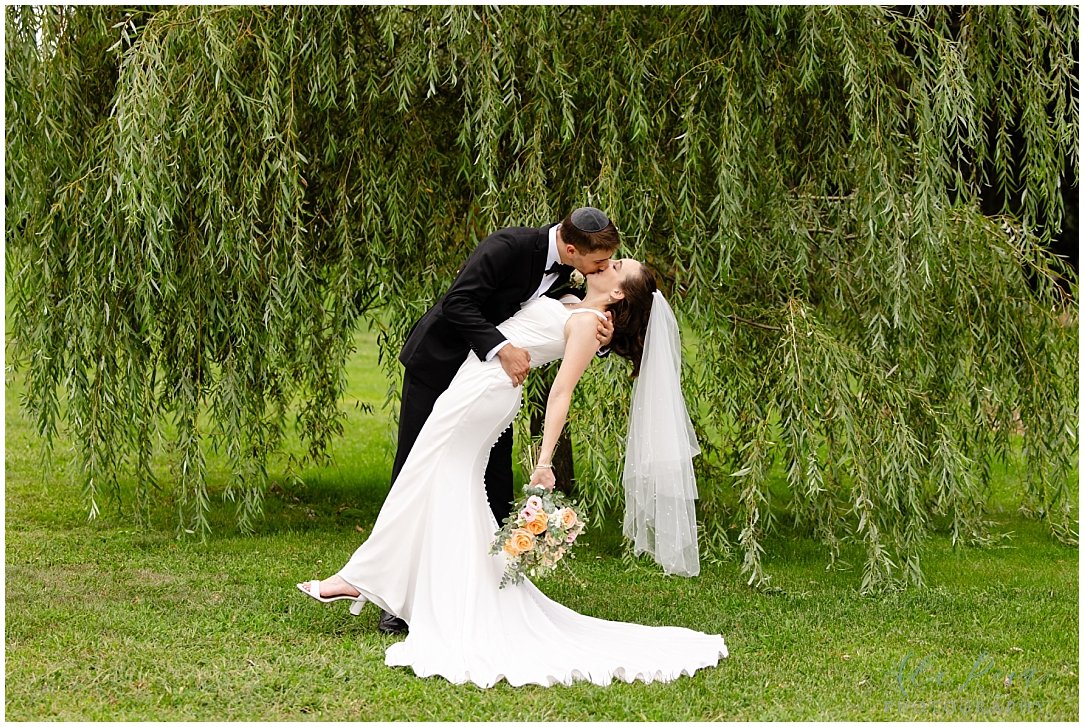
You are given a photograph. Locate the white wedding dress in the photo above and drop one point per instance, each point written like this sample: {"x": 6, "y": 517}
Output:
{"x": 427, "y": 559}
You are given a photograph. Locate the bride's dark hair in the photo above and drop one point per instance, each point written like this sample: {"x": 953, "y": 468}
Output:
{"x": 630, "y": 317}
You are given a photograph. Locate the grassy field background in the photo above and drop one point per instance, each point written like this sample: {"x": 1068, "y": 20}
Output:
{"x": 105, "y": 621}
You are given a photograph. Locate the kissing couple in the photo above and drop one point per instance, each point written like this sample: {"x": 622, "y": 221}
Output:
{"x": 427, "y": 562}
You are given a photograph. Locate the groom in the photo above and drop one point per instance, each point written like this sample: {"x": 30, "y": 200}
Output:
{"x": 508, "y": 268}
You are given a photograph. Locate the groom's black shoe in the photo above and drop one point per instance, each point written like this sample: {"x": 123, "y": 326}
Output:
{"x": 391, "y": 624}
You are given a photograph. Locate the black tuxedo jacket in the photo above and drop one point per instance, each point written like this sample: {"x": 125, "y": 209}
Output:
{"x": 503, "y": 272}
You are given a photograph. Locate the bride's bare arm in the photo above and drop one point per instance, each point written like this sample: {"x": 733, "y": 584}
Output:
{"x": 581, "y": 344}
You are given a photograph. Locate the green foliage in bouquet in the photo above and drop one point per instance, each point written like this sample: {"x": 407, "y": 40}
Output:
{"x": 538, "y": 534}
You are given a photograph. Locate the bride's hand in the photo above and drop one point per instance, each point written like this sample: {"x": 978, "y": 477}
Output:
{"x": 543, "y": 477}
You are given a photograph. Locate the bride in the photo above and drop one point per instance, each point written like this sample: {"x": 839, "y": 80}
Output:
{"x": 427, "y": 559}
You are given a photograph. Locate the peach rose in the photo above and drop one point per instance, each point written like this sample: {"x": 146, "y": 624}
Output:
{"x": 522, "y": 540}
{"x": 537, "y": 524}
{"x": 510, "y": 547}
{"x": 568, "y": 517}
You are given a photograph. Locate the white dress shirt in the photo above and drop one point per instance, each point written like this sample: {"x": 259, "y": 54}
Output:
{"x": 548, "y": 279}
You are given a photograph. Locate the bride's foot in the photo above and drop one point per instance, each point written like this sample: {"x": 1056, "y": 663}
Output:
{"x": 334, "y": 586}
{"x": 336, "y": 590}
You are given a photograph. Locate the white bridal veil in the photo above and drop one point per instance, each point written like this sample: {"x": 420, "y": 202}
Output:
{"x": 660, "y": 487}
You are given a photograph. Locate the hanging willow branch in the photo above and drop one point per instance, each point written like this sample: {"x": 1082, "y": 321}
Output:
{"x": 204, "y": 203}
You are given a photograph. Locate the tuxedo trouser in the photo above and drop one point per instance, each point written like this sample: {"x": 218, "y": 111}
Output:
{"x": 416, "y": 405}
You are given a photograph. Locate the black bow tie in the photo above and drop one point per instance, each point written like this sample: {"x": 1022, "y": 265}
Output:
{"x": 556, "y": 269}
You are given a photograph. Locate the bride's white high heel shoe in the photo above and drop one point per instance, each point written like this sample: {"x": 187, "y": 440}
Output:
{"x": 313, "y": 591}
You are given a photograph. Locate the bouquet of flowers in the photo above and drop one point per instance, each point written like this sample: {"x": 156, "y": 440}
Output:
{"x": 537, "y": 534}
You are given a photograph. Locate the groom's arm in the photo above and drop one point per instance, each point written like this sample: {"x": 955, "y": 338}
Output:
{"x": 485, "y": 271}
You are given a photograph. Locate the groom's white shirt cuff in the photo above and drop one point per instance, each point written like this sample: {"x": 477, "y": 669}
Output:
{"x": 495, "y": 349}
{"x": 552, "y": 258}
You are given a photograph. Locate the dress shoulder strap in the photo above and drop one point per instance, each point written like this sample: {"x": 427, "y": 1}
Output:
{"x": 600, "y": 314}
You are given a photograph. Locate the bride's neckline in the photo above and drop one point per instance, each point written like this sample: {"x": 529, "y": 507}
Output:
{"x": 575, "y": 306}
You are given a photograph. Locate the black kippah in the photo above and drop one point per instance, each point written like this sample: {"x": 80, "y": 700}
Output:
{"x": 590, "y": 219}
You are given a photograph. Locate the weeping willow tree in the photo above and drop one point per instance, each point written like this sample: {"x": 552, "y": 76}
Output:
{"x": 203, "y": 204}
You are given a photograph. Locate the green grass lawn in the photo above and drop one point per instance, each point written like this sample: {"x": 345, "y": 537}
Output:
{"x": 108, "y": 622}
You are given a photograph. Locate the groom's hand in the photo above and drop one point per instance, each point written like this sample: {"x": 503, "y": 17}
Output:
{"x": 605, "y": 331}
{"x": 517, "y": 362}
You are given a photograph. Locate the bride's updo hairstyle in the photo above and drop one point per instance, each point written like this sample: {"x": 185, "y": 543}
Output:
{"x": 630, "y": 317}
